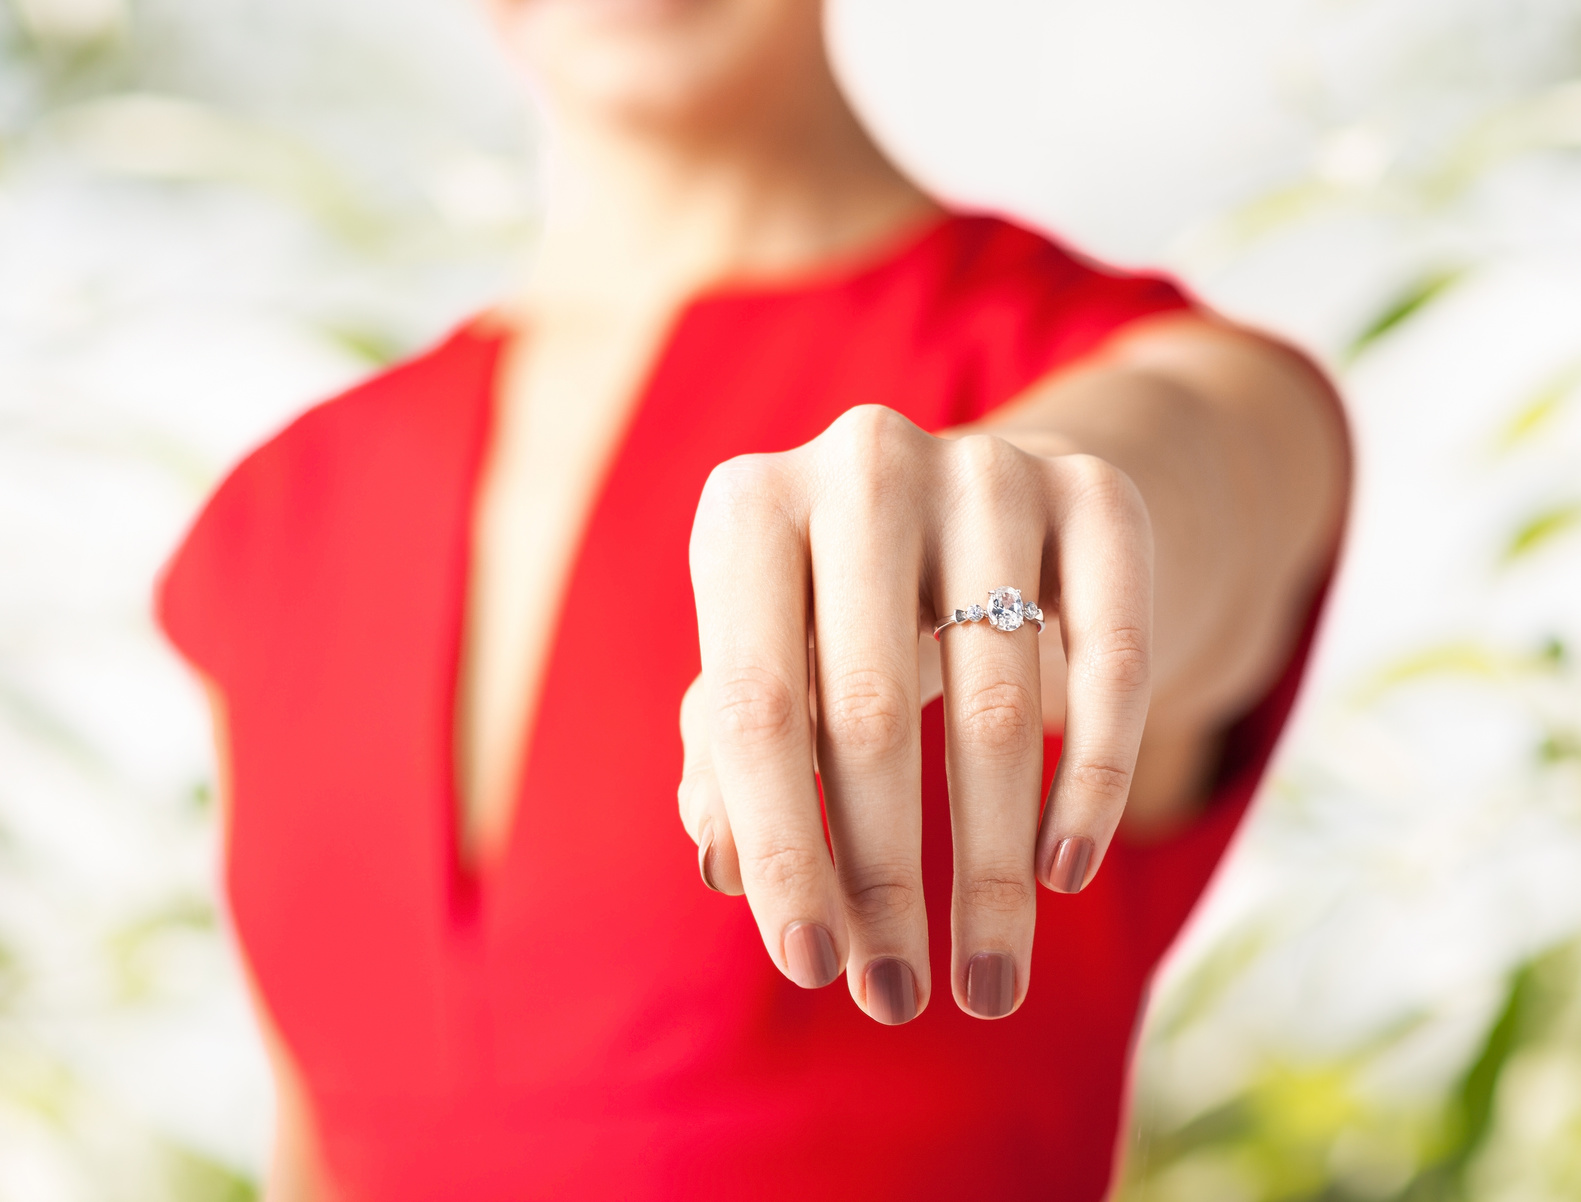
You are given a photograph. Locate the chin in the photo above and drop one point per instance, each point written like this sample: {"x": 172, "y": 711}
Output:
{"x": 651, "y": 60}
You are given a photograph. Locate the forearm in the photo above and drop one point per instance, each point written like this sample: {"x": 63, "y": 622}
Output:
{"x": 296, "y": 1172}
{"x": 1241, "y": 462}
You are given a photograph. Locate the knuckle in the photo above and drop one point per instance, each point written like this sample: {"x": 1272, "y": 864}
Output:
{"x": 867, "y": 432}
{"x": 985, "y": 461}
{"x": 999, "y": 717}
{"x": 1097, "y": 482}
{"x": 865, "y": 712}
{"x": 999, "y": 893}
{"x": 756, "y": 707}
{"x": 1091, "y": 473}
{"x": 738, "y": 489}
{"x": 866, "y": 452}
{"x": 1104, "y": 780}
{"x": 882, "y": 897}
{"x": 1119, "y": 657}
{"x": 781, "y": 866}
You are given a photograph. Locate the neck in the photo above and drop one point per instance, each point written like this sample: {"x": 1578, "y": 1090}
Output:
{"x": 638, "y": 218}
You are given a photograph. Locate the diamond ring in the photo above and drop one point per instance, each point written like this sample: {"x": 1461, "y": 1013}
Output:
{"x": 1005, "y": 611}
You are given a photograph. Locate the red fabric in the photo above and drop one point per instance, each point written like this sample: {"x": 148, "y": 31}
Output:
{"x": 587, "y": 1021}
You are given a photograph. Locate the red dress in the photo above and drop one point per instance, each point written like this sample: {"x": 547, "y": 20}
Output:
{"x": 587, "y": 1021}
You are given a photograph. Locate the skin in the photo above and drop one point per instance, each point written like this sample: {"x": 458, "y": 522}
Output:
{"x": 1172, "y": 499}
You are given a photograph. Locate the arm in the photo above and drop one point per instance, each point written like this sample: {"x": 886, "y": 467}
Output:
{"x": 1172, "y": 499}
{"x": 295, "y": 1172}
{"x": 1237, "y": 448}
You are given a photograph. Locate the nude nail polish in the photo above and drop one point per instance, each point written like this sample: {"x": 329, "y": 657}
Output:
{"x": 891, "y": 991}
{"x": 707, "y": 863}
{"x": 990, "y": 984}
{"x": 1068, "y": 872}
{"x": 809, "y": 955}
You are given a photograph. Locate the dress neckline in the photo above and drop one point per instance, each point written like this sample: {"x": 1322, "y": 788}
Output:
{"x": 472, "y": 876}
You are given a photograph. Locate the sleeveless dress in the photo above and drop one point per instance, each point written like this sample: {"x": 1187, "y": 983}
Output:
{"x": 584, "y": 1020}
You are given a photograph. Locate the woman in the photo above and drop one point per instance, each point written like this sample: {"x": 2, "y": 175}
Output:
{"x": 446, "y": 621}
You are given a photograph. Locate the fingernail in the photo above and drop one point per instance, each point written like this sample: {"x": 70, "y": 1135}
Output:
{"x": 809, "y": 955}
{"x": 990, "y": 984}
{"x": 707, "y": 861}
{"x": 1068, "y": 872}
{"x": 891, "y": 992}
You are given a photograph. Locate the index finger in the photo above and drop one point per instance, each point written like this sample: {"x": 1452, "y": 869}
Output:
{"x": 1103, "y": 550}
{"x": 749, "y": 569}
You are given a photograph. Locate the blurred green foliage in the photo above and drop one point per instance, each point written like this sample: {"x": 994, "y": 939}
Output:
{"x": 1319, "y": 1126}
{"x": 1315, "y": 1131}
{"x": 134, "y": 92}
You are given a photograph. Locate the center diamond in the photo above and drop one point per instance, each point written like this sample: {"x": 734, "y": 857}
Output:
{"x": 1005, "y": 609}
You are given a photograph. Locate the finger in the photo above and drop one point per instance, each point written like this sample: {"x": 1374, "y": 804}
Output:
{"x": 992, "y": 537}
{"x": 1104, "y": 561}
{"x": 749, "y": 570}
{"x": 866, "y": 545}
{"x": 702, "y": 805}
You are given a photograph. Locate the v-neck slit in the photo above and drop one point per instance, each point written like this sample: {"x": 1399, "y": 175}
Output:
{"x": 471, "y": 875}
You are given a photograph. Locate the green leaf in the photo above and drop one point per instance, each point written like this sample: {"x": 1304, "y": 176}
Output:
{"x": 1402, "y": 308}
{"x": 377, "y": 348}
{"x": 1540, "y": 407}
{"x": 1473, "y": 1101}
{"x": 1560, "y": 746}
{"x": 1453, "y": 659}
{"x": 1542, "y": 529}
{"x": 191, "y": 1176}
{"x": 1471, "y": 661}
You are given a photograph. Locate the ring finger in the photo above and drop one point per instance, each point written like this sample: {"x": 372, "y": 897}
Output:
{"x": 993, "y": 723}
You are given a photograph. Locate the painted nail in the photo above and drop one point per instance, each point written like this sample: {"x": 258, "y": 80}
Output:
{"x": 891, "y": 992}
{"x": 809, "y": 955}
{"x": 707, "y": 862}
{"x": 990, "y": 984}
{"x": 1068, "y": 872}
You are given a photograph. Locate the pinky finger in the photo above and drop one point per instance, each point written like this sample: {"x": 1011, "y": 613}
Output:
{"x": 702, "y": 804}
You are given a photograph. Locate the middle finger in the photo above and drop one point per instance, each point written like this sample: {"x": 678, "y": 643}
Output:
{"x": 866, "y": 543}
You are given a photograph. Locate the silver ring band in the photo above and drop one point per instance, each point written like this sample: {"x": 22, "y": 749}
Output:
{"x": 1005, "y": 611}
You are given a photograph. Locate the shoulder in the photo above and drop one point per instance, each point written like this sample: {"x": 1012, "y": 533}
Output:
{"x": 426, "y": 397}
{"x": 988, "y": 262}
{"x": 996, "y": 306}
{"x": 260, "y": 526}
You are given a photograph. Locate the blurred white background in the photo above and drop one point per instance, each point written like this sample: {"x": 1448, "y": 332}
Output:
{"x": 214, "y": 212}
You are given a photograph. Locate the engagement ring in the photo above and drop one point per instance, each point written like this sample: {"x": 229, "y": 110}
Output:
{"x": 1006, "y": 611}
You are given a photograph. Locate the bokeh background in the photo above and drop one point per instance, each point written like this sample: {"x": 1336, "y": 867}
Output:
{"x": 214, "y": 212}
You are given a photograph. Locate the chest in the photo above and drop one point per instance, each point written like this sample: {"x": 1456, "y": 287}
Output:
{"x": 560, "y": 403}
{"x": 348, "y": 877}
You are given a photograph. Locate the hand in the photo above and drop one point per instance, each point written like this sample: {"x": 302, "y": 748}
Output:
{"x": 816, "y": 571}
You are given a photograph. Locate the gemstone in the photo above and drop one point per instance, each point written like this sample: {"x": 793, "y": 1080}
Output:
{"x": 976, "y": 613}
{"x": 1005, "y": 609}
{"x": 960, "y": 615}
